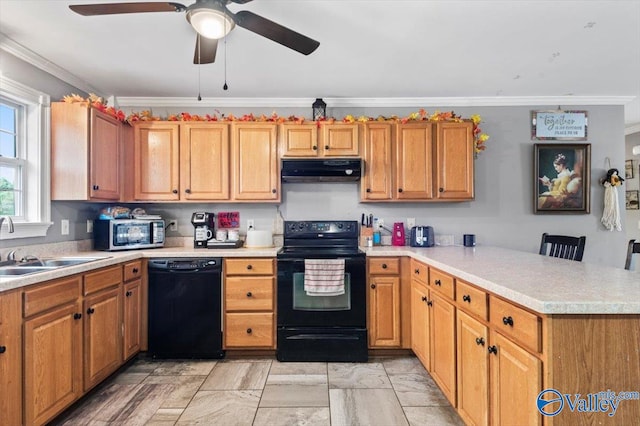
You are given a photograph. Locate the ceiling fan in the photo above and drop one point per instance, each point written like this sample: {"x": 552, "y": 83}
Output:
{"x": 212, "y": 20}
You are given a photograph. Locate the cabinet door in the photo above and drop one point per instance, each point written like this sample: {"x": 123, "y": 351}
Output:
{"x": 516, "y": 379}
{"x": 256, "y": 175}
{"x": 420, "y": 323}
{"x": 414, "y": 158}
{"x": 156, "y": 159}
{"x": 473, "y": 370}
{"x": 299, "y": 139}
{"x": 377, "y": 183}
{"x": 132, "y": 318}
{"x": 443, "y": 345}
{"x": 384, "y": 311}
{"x": 204, "y": 161}
{"x": 339, "y": 139}
{"x": 52, "y": 363}
{"x": 104, "y": 156}
{"x": 454, "y": 161}
{"x": 102, "y": 335}
{"x": 10, "y": 358}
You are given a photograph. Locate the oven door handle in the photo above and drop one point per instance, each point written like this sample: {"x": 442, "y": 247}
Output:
{"x": 322, "y": 337}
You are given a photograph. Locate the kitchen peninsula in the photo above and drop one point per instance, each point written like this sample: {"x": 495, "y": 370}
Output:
{"x": 534, "y": 323}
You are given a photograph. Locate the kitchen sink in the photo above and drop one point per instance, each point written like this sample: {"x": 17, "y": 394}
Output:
{"x": 24, "y": 270}
{"x": 69, "y": 261}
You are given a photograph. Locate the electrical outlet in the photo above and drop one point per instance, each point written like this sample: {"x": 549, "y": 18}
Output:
{"x": 250, "y": 224}
{"x": 173, "y": 225}
{"x": 64, "y": 227}
{"x": 89, "y": 226}
{"x": 411, "y": 222}
{"x": 380, "y": 223}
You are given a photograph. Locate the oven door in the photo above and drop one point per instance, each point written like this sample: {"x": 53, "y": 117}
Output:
{"x": 297, "y": 309}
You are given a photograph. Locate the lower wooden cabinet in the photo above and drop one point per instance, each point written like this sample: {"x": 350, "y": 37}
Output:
{"x": 10, "y": 358}
{"x": 443, "y": 345}
{"x": 249, "y": 330}
{"x": 132, "y": 318}
{"x": 420, "y": 323}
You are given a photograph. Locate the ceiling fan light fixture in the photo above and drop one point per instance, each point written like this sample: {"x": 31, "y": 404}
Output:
{"x": 210, "y": 23}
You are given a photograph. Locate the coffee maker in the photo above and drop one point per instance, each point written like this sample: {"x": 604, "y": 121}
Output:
{"x": 204, "y": 224}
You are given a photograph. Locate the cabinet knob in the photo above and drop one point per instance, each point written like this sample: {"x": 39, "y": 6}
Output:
{"x": 384, "y": 266}
{"x": 399, "y": 189}
{"x": 274, "y": 191}
{"x": 440, "y": 189}
{"x": 175, "y": 191}
{"x": 128, "y": 294}
{"x": 424, "y": 298}
{"x": 249, "y": 294}
{"x": 249, "y": 267}
{"x": 466, "y": 298}
{"x": 437, "y": 282}
{"x": 479, "y": 341}
{"x": 96, "y": 187}
{"x": 315, "y": 147}
{"x": 3, "y": 349}
{"x": 326, "y": 147}
{"x": 90, "y": 311}
{"x": 507, "y": 321}
{"x": 373, "y": 286}
{"x": 368, "y": 189}
{"x": 492, "y": 350}
{"x": 249, "y": 331}
{"x": 134, "y": 270}
{"x": 417, "y": 271}
{"x": 188, "y": 191}
{"x": 429, "y": 302}
{"x": 77, "y": 316}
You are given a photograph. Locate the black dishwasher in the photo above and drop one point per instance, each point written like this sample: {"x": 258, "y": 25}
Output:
{"x": 185, "y": 308}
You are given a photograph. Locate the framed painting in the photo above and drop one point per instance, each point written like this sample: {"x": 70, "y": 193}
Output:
{"x": 559, "y": 125}
{"x": 628, "y": 169}
{"x": 631, "y": 200}
{"x": 562, "y": 174}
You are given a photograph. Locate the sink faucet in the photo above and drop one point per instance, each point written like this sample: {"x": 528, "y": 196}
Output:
{"x": 9, "y": 223}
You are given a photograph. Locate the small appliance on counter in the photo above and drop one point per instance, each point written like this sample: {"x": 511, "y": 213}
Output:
{"x": 127, "y": 234}
{"x": 422, "y": 236}
{"x": 204, "y": 224}
{"x": 397, "y": 239}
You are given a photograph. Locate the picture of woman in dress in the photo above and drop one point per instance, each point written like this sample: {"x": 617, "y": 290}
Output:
{"x": 564, "y": 191}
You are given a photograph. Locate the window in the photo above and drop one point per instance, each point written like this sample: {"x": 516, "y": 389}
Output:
{"x": 24, "y": 159}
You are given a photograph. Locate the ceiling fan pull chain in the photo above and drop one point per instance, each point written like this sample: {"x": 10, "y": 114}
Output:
{"x": 199, "y": 65}
{"x": 225, "y": 87}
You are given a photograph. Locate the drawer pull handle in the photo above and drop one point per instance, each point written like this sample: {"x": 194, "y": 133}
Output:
{"x": 466, "y": 298}
{"x": 479, "y": 341}
{"x": 3, "y": 349}
{"x": 77, "y": 316}
{"x": 134, "y": 270}
{"x": 493, "y": 350}
{"x": 249, "y": 294}
{"x": 384, "y": 266}
{"x": 90, "y": 311}
{"x": 424, "y": 298}
{"x": 249, "y": 331}
{"x": 507, "y": 321}
{"x": 438, "y": 283}
{"x": 249, "y": 267}
{"x": 373, "y": 286}
{"x": 128, "y": 294}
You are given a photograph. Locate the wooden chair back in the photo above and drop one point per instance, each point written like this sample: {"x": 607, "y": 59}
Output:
{"x": 563, "y": 246}
{"x": 634, "y": 248}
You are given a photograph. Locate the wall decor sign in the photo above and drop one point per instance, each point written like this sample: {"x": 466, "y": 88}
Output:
{"x": 561, "y": 179}
{"x": 628, "y": 169}
{"x": 559, "y": 125}
{"x": 631, "y": 200}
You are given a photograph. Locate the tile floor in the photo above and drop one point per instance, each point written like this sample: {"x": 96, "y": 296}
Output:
{"x": 385, "y": 391}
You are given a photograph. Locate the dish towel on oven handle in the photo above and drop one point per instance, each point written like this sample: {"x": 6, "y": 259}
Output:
{"x": 324, "y": 277}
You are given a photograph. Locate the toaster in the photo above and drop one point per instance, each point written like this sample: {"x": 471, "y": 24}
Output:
{"x": 422, "y": 236}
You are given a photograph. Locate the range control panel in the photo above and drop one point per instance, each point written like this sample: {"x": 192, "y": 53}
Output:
{"x": 320, "y": 229}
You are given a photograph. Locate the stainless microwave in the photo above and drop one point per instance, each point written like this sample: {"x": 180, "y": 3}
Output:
{"x": 127, "y": 234}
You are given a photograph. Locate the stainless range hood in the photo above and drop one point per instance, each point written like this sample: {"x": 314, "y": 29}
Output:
{"x": 321, "y": 170}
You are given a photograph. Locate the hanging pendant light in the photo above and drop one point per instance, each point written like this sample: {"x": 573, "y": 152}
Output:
{"x": 319, "y": 110}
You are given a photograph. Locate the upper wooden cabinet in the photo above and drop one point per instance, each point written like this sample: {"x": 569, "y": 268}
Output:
{"x": 418, "y": 161}
{"x": 157, "y": 161}
{"x": 85, "y": 153}
{"x": 323, "y": 139}
{"x": 254, "y": 162}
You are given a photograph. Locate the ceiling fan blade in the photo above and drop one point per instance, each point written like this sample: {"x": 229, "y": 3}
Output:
{"x": 205, "y": 50}
{"x": 116, "y": 8}
{"x": 240, "y": 1}
{"x": 276, "y": 32}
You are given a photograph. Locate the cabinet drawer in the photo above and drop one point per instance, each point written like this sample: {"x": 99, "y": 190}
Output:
{"x": 101, "y": 279}
{"x": 52, "y": 294}
{"x": 132, "y": 270}
{"x": 419, "y": 271}
{"x": 249, "y": 330}
{"x": 441, "y": 282}
{"x": 384, "y": 265}
{"x": 248, "y": 293}
{"x": 248, "y": 266}
{"x": 471, "y": 299}
{"x": 515, "y": 322}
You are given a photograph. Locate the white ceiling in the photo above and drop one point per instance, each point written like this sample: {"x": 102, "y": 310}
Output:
{"x": 487, "y": 50}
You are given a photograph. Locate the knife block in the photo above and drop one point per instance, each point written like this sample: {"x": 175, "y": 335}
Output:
{"x": 364, "y": 234}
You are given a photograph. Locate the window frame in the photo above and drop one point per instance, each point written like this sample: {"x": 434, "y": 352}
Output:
{"x": 35, "y": 218}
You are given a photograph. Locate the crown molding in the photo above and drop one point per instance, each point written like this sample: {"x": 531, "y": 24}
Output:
{"x": 123, "y": 101}
{"x": 631, "y": 129}
{"x": 32, "y": 58}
